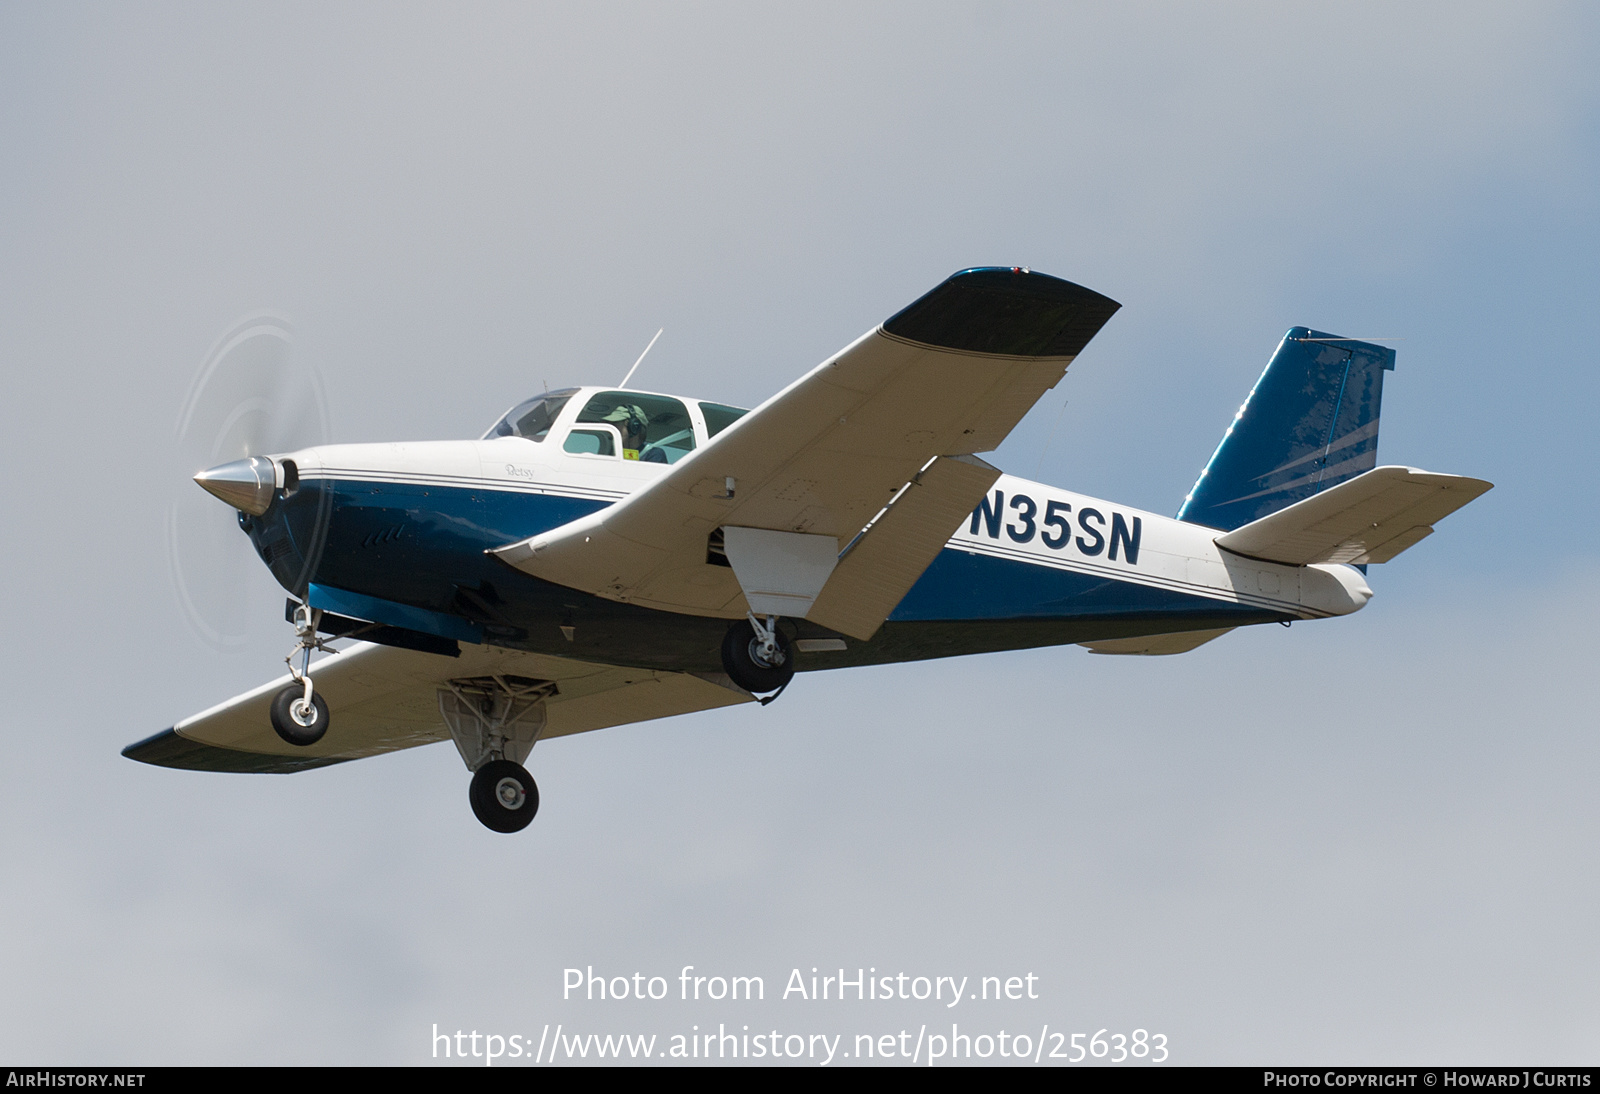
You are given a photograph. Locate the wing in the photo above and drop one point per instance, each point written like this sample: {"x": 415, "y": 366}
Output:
{"x": 949, "y": 376}
{"x": 1370, "y": 518}
{"x": 382, "y": 699}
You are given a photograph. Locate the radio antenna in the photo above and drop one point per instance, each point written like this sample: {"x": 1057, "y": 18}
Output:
{"x": 636, "y": 364}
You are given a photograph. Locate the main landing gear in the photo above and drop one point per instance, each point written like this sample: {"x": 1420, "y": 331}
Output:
{"x": 504, "y": 796}
{"x": 495, "y": 721}
{"x": 757, "y": 657}
{"x": 299, "y": 714}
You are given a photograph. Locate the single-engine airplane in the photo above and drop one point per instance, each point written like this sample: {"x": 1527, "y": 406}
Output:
{"x": 606, "y": 556}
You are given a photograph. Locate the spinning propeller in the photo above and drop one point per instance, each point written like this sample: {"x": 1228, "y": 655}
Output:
{"x": 251, "y": 398}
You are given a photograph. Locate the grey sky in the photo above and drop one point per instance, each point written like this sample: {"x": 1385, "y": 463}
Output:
{"x": 1369, "y": 840}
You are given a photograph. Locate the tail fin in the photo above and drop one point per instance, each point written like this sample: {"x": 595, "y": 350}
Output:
{"x": 1310, "y": 422}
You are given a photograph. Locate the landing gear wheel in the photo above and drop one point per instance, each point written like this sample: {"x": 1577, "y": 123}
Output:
{"x": 296, "y": 723}
{"x": 749, "y": 666}
{"x": 504, "y": 796}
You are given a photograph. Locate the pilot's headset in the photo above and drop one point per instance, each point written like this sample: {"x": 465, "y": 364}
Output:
{"x": 630, "y": 420}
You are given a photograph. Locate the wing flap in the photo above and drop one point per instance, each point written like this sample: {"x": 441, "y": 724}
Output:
{"x": 648, "y": 696}
{"x": 1370, "y": 518}
{"x": 878, "y": 570}
{"x": 1156, "y": 645}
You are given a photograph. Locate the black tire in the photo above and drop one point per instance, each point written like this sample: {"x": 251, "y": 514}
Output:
{"x": 292, "y": 728}
{"x": 504, "y": 796}
{"x": 742, "y": 662}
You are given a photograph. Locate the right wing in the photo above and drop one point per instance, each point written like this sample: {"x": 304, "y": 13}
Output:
{"x": 1370, "y": 518}
{"x": 948, "y": 377}
{"x": 382, "y": 699}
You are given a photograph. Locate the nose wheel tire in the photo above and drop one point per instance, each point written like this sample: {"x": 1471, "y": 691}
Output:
{"x": 504, "y": 796}
{"x": 751, "y": 667}
{"x": 296, "y": 722}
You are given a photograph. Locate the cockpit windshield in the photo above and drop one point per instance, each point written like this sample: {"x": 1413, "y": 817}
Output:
{"x": 651, "y": 428}
{"x": 654, "y": 428}
{"x": 533, "y": 418}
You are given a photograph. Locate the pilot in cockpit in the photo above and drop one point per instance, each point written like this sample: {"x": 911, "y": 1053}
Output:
{"x": 632, "y": 422}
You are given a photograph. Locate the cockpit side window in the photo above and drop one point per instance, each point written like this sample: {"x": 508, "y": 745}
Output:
{"x": 597, "y": 440}
{"x": 533, "y": 418}
{"x": 654, "y": 428}
{"x": 719, "y": 417}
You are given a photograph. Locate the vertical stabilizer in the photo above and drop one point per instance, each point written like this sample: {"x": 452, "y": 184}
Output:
{"x": 1310, "y": 422}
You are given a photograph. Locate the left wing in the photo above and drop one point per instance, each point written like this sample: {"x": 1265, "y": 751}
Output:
{"x": 948, "y": 377}
{"x": 382, "y": 699}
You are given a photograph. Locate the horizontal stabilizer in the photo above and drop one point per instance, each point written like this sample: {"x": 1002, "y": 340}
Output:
{"x": 1370, "y": 518}
{"x": 1156, "y": 645}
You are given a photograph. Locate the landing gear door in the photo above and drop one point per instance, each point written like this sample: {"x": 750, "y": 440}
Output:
{"x": 495, "y": 717}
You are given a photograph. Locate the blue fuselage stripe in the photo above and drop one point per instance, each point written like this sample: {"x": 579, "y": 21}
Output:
{"x": 424, "y": 544}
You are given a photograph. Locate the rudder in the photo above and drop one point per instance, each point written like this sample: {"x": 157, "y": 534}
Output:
{"x": 1310, "y": 422}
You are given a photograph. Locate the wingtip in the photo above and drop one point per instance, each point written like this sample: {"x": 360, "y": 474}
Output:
{"x": 1010, "y": 311}
{"x": 154, "y": 742}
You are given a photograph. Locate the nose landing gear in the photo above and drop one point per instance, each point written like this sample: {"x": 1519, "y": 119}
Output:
{"x": 299, "y": 715}
{"x": 297, "y": 721}
{"x": 757, "y": 657}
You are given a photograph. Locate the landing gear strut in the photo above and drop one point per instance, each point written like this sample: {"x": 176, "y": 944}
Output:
{"x": 495, "y": 721}
{"x": 756, "y": 656}
{"x": 299, "y": 715}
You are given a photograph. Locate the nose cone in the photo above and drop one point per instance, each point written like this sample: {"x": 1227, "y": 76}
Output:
{"x": 247, "y": 485}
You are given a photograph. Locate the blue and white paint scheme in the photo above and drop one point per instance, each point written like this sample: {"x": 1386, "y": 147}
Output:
{"x": 602, "y": 548}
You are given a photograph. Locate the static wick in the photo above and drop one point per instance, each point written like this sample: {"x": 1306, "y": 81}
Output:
{"x": 636, "y": 364}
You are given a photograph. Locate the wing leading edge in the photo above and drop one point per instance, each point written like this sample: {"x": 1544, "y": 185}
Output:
{"x": 911, "y": 401}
